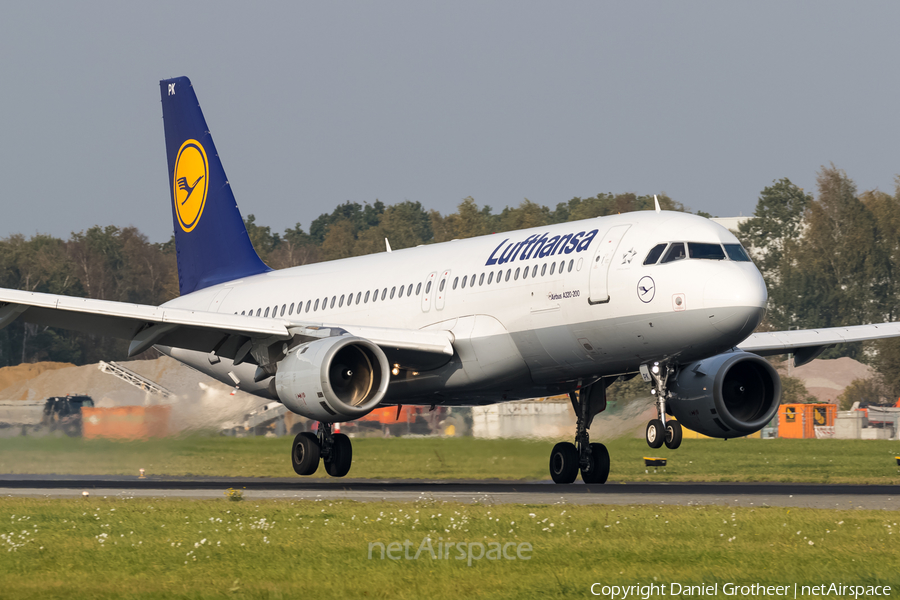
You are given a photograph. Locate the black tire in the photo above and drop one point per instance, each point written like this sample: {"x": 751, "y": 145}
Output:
{"x": 341, "y": 456}
{"x": 305, "y": 452}
{"x": 656, "y": 433}
{"x": 598, "y": 472}
{"x": 674, "y": 434}
{"x": 564, "y": 463}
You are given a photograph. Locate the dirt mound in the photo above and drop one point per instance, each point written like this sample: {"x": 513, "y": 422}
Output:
{"x": 10, "y": 376}
{"x": 199, "y": 402}
{"x": 826, "y": 379}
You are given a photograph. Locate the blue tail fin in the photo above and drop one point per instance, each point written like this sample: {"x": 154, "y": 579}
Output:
{"x": 211, "y": 242}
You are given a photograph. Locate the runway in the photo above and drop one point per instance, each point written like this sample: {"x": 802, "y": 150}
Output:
{"x": 482, "y": 491}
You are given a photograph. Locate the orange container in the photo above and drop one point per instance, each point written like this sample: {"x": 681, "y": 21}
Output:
{"x": 388, "y": 415}
{"x": 800, "y": 420}
{"x": 125, "y": 422}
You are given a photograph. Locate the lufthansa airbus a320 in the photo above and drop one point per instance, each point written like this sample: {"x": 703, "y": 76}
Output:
{"x": 567, "y": 308}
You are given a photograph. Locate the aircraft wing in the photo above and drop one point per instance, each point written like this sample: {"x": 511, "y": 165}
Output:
{"x": 807, "y": 344}
{"x": 226, "y": 335}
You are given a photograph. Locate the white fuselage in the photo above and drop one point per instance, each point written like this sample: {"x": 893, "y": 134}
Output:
{"x": 535, "y": 311}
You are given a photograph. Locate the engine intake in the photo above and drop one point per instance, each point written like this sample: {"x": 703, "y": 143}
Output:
{"x": 726, "y": 396}
{"x": 333, "y": 379}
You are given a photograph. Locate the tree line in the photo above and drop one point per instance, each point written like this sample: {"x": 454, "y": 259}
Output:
{"x": 829, "y": 259}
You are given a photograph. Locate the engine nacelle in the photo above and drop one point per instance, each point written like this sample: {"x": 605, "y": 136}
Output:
{"x": 334, "y": 379}
{"x": 726, "y": 396}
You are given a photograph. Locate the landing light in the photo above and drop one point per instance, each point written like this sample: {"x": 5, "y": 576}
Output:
{"x": 395, "y": 371}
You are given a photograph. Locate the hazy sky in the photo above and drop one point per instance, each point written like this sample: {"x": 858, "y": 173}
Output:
{"x": 314, "y": 104}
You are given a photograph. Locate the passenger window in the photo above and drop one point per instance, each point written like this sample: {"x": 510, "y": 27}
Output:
{"x": 409, "y": 290}
{"x": 366, "y": 301}
{"x": 455, "y": 281}
{"x": 341, "y": 303}
{"x": 291, "y": 309}
{"x": 490, "y": 277}
{"x": 571, "y": 264}
{"x": 524, "y": 273}
{"x": 543, "y": 269}
{"x": 562, "y": 265}
{"x": 349, "y": 298}
{"x": 675, "y": 252}
{"x": 317, "y": 304}
{"x": 375, "y": 296}
{"x": 534, "y": 272}
{"x": 400, "y": 295}
{"x": 242, "y": 312}
{"x": 443, "y": 283}
{"x": 308, "y": 302}
{"x": 384, "y": 293}
{"x": 552, "y": 268}
{"x": 393, "y": 291}
{"x": 428, "y": 288}
{"x": 465, "y": 277}
{"x": 737, "y": 252}
{"x": 418, "y": 288}
{"x": 654, "y": 254}
{"x": 499, "y": 276}
{"x": 516, "y": 276}
{"x": 706, "y": 251}
{"x": 283, "y": 308}
{"x": 267, "y": 312}
{"x": 481, "y": 279}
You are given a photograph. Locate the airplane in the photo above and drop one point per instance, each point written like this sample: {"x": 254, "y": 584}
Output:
{"x": 560, "y": 309}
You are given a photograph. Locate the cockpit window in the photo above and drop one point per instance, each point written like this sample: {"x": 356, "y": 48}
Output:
{"x": 737, "y": 252}
{"x": 706, "y": 251}
{"x": 654, "y": 255}
{"x": 675, "y": 252}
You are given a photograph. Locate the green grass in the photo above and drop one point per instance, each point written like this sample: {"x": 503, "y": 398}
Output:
{"x": 820, "y": 461}
{"x": 140, "y": 548}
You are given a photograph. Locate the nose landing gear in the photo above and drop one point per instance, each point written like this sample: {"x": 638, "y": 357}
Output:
{"x": 334, "y": 449}
{"x": 660, "y": 431}
{"x": 567, "y": 459}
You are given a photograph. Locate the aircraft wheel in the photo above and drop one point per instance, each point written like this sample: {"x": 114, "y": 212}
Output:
{"x": 599, "y": 468}
{"x": 673, "y": 434}
{"x": 564, "y": 463}
{"x": 655, "y": 433}
{"x": 341, "y": 456}
{"x": 305, "y": 453}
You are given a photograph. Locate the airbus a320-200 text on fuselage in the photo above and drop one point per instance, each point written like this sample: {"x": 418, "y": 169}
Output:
{"x": 569, "y": 308}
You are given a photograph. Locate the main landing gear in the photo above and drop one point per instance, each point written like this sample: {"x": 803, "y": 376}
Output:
{"x": 659, "y": 430}
{"x": 334, "y": 449}
{"x": 567, "y": 459}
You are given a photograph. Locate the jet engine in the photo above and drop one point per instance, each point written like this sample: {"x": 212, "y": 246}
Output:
{"x": 333, "y": 379}
{"x": 726, "y": 396}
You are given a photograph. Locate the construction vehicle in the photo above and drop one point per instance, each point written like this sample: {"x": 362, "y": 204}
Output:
{"x": 59, "y": 413}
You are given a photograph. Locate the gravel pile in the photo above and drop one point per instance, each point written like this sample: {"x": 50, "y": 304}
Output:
{"x": 199, "y": 402}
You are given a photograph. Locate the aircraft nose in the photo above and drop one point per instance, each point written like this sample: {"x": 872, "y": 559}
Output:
{"x": 736, "y": 300}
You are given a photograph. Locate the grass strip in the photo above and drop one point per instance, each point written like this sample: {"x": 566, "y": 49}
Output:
{"x": 172, "y": 548}
{"x": 779, "y": 460}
